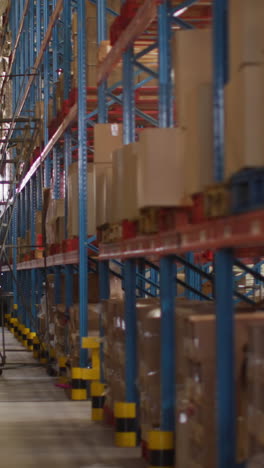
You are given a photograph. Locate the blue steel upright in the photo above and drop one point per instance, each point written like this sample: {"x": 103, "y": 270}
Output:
{"x": 225, "y": 359}
{"x": 165, "y": 85}
{"x": 101, "y": 36}
{"x": 129, "y": 271}
{"x": 128, "y": 97}
{"x": 220, "y": 14}
{"x": 82, "y": 167}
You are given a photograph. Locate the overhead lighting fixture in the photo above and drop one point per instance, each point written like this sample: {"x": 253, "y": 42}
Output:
{"x": 180, "y": 12}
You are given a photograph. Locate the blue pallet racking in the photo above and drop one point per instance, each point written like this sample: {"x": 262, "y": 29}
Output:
{"x": 41, "y": 46}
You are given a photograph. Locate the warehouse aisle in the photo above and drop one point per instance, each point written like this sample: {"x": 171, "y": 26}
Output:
{"x": 41, "y": 428}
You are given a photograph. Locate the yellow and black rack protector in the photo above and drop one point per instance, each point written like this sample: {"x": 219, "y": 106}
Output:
{"x": 17, "y": 327}
{"x": 98, "y": 400}
{"x": 13, "y": 323}
{"x": 7, "y": 320}
{"x": 161, "y": 449}
{"x": 125, "y": 424}
{"x": 79, "y": 390}
{"x": 30, "y": 339}
{"x": 36, "y": 347}
{"x": 25, "y": 333}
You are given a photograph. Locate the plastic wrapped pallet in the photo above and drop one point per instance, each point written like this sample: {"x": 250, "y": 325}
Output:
{"x": 192, "y": 60}
{"x": 199, "y": 139}
{"x": 244, "y": 116}
{"x": 107, "y": 138}
{"x": 246, "y": 40}
{"x": 148, "y": 329}
{"x": 160, "y": 169}
{"x": 73, "y": 201}
{"x": 255, "y": 391}
{"x": 257, "y": 461}
{"x": 200, "y": 351}
{"x": 103, "y": 184}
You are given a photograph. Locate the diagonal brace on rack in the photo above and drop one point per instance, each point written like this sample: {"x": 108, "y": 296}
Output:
{"x": 140, "y": 113}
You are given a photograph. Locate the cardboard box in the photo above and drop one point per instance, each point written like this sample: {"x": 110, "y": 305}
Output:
{"x": 73, "y": 201}
{"x": 199, "y": 139}
{"x": 103, "y": 174}
{"x": 160, "y": 173}
{"x": 107, "y": 138}
{"x": 246, "y": 40}
{"x": 192, "y": 61}
{"x": 244, "y": 116}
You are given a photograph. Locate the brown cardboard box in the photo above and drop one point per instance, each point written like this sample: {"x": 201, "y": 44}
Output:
{"x": 246, "y": 41}
{"x": 199, "y": 139}
{"x": 244, "y": 115}
{"x": 73, "y": 201}
{"x": 107, "y": 138}
{"x": 103, "y": 174}
{"x": 191, "y": 67}
{"x": 160, "y": 173}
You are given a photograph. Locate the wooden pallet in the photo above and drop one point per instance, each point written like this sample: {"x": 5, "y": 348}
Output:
{"x": 247, "y": 190}
{"x": 217, "y": 201}
{"x": 161, "y": 219}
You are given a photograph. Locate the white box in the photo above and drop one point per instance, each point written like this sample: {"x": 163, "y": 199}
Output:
{"x": 246, "y": 38}
{"x": 160, "y": 171}
{"x": 193, "y": 65}
{"x": 107, "y": 138}
{"x": 244, "y": 119}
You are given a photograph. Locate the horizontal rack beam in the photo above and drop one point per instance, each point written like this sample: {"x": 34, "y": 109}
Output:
{"x": 242, "y": 230}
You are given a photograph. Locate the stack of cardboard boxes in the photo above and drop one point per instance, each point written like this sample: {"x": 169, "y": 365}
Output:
{"x": 255, "y": 390}
{"x": 62, "y": 331}
{"x": 91, "y": 46}
{"x": 200, "y": 388}
{"x": 107, "y": 138}
{"x": 193, "y": 77}
{"x": 244, "y": 93}
{"x": 114, "y": 350}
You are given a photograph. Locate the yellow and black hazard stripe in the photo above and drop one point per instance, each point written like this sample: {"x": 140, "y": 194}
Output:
{"x": 79, "y": 386}
{"x": 98, "y": 400}
{"x": 125, "y": 424}
{"x": 7, "y": 320}
{"x": 17, "y": 327}
{"x": 13, "y": 324}
{"x": 30, "y": 339}
{"x": 25, "y": 332}
{"x": 161, "y": 449}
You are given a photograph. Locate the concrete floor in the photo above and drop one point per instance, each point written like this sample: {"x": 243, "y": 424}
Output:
{"x": 41, "y": 428}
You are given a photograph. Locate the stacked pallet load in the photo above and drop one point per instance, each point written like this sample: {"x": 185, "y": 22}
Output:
{"x": 255, "y": 392}
{"x": 244, "y": 98}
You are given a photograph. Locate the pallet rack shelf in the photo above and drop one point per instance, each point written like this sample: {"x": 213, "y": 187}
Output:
{"x": 35, "y": 29}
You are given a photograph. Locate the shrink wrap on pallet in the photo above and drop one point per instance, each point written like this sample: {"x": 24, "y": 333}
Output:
{"x": 161, "y": 168}
{"x": 107, "y": 138}
{"x": 199, "y": 139}
{"x": 244, "y": 117}
{"x": 103, "y": 174}
{"x": 246, "y": 39}
{"x": 192, "y": 61}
